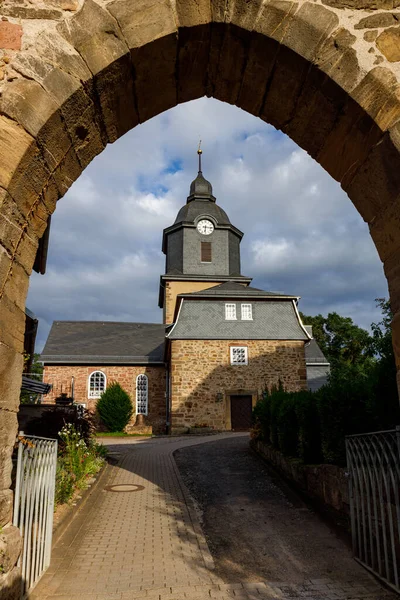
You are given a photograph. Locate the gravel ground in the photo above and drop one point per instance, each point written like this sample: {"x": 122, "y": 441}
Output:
{"x": 257, "y": 529}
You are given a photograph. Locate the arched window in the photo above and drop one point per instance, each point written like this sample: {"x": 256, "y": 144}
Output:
{"x": 142, "y": 394}
{"x": 97, "y": 384}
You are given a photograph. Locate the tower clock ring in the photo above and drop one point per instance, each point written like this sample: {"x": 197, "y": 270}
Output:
{"x": 205, "y": 227}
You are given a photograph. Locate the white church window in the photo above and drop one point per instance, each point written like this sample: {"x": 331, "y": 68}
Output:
{"x": 230, "y": 312}
{"x": 97, "y": 384}
{"x": 142, "y": 394}
{"x": 247, "y": 313}
{"x": 239, "y": 355}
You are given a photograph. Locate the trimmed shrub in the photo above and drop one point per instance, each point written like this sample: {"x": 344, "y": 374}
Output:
{"x": 115, "y": 407}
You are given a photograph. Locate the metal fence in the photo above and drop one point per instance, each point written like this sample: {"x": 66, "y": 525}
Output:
{"x": 373, "y": 461}
{"x": 34, "y": 505}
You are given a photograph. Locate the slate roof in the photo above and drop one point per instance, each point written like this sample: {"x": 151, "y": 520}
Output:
{"x": 313, "y": 352}
{"x": 202, "y": 319}
{"x": 104, "y": 342}
{"x": 189, "y": 212}
{"x": 230, "y": 289}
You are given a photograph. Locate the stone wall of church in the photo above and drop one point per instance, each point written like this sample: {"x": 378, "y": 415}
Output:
{"x": 202, "y": 377}
{"x": 61, "y": 379}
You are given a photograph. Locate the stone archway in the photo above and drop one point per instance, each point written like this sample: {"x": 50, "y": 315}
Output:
{"x": 76, "y": 75}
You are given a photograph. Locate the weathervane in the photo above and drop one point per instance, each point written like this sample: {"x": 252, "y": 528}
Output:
{"x": 199, "y": 152}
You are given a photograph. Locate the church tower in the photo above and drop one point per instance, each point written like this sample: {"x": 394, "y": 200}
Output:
{"x": 202, "y": 247}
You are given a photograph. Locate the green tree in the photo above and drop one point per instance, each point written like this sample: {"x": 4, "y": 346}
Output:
{"x": 115, "y": 407}
{"x": 341, "y": 340}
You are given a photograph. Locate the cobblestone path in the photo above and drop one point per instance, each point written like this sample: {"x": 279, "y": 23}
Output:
{"x": 149, "y": 543}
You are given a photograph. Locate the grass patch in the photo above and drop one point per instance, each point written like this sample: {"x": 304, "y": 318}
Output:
{"x": 121, "y": 434}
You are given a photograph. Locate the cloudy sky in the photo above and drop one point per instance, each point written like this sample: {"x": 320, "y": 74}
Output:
{"x": 302, "y": 234}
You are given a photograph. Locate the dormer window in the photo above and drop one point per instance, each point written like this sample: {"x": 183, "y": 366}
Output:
{"x": 230, "y": 312}
{"x": 247, "y": 313}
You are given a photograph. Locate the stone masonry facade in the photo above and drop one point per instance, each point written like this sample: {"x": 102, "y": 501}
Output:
{"x": 60, "y": 377}
{"x": 201, "y": 369}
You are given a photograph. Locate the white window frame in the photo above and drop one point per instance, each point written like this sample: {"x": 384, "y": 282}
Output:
{"x": 228, "y": 307}
{"x": 249, "y": 309}
{"x": 96, "y": 393}
{"x": 147, "y": 395}
{"x": 246, "y": 355}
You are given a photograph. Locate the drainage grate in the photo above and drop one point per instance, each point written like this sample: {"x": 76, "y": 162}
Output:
{"x": 124, "y": 487}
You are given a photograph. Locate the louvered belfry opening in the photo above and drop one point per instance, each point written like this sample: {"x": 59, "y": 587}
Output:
{"x": 206, "y": 252}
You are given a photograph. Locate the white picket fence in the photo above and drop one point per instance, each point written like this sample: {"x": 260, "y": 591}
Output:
{"x": 34, "y": 505}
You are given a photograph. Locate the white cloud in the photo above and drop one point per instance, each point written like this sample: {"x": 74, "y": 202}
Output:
{"x": 302, "y": 235}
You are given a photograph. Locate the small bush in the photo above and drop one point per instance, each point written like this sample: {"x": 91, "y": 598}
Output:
{"x": 115, "y": 407}
{"x": 77, "y": 462}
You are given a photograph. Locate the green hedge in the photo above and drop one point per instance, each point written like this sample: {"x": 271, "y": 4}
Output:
{"x": 312, "y": 426}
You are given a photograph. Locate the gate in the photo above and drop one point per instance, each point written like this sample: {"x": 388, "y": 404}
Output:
{"x": 34, "y": 505}
{"x": 373, "y": 461}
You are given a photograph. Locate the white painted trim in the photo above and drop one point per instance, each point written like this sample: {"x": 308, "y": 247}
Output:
{"x": 177, "y": 318}
{"x": 231, "y": 318}
{"x": 308, "y": 364}
{"x": 105, "y": 383}
{"x": 300, "y": 321}
{"x": 147, "y": 394}
{"x": 251, "y": 311}
{"x": 235, "y": 364}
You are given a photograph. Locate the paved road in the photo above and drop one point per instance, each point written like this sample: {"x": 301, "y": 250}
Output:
{"x": 125, "y": 545}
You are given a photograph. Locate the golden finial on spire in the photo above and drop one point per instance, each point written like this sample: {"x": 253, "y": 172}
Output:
{"x": 199, "y": 152}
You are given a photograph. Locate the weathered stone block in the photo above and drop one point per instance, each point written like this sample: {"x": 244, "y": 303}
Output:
{"x": 363, "y": 4}
{"x": 347, "y": 146}
{"x": 231, "y": 64}
{"x": 392, "y": 272}
{"x": 320, "y": 101}
{"x": 27, "y": 103}
{"x": 31, "y": 12}
{"x": 16, "y": 286}
{"x": 389, "y": 44}
{"x": 8, "y": 433}
{"x": 193, "y": 54}
{"x": 275, "y": 18}
{"x": 95, "y": 35}
{"x": 382, "y": 19}
{"x": 310, "y": 27}
{"x": 154, "y": 66}
{"x": 289, "y": 75}
{"x": 143, "y": 21}
{"x": 6, "y": 507}
{"x": 376, "y": 184}
{"x": 12, "y": 325}
{"x": 259, "y": 67}
{"x": 10, "y": 35}
{"x": 11, "y": 363}
{"x": 10, "y": 585}
{"x": 338, "y": 59}
{"x": 238, "y": 12}
{"x": 191, "y": 13}
{"x": 10, "y": 548}
{"x": 379, "y": 95}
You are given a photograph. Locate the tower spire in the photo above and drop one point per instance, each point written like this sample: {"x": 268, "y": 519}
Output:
{"x": 199, "y": 152}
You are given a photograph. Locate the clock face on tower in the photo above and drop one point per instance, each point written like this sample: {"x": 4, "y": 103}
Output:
{"x": 205, "y": 227}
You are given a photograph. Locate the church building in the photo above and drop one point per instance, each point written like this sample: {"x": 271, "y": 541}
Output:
{"x": 222, "y": 341}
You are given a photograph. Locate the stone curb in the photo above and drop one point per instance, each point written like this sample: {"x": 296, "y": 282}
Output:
{"x": 73, "y": 510}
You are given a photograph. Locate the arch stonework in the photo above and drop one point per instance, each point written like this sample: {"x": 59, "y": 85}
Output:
{"x": 76, "y": 75}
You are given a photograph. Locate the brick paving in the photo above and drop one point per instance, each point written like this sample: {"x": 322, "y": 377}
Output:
{"x": 149, "y": 543}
